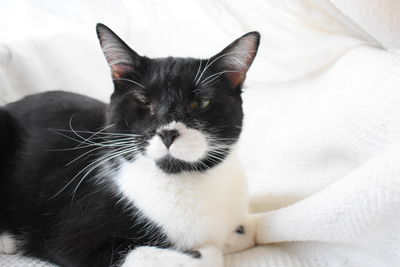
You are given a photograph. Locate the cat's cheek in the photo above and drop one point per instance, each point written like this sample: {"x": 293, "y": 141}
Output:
{"x": 156, "y": 149}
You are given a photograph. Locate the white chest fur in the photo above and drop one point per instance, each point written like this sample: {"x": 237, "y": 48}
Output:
{"x": 193, "y": 208}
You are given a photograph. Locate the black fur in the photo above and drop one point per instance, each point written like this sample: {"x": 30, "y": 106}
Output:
{"x": 76, "y": 218}
{"x": 83, "y": 231}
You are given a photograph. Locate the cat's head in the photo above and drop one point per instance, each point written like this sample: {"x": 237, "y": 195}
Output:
{"x": 184, "y": 113}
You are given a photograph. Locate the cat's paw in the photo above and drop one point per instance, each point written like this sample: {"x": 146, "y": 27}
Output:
{"x": 243, "y": 237}
{"x": 157, "y": 257}
{"x": 211, "y": 257}
{"x": 8, "y": 244}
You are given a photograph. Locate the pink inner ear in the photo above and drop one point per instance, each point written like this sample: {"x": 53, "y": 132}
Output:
{"x": 238, "y": 57}
{"x": 236, "y": 78}
{"x": 120, "y": 70}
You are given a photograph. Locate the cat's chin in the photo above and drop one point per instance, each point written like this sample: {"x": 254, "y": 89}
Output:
{"x": 172, "y": 165}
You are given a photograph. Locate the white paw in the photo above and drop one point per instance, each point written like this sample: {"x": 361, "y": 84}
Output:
{"x": 8, "y": 244}
{"x": 156, "y": 257}
{"x": 211, "y": 257}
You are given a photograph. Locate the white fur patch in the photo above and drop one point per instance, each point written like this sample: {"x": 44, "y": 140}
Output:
{"x": 238, "y": 242}
{"x": 193, "y": 208}
{"x": 8, "y": 244}
{"x": 190, "y": 146}
{"x": 156, "y": 149}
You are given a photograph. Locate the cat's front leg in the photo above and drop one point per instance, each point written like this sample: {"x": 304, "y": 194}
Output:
{"x": 208, "y": 256}
{"x": 8, "y": 244}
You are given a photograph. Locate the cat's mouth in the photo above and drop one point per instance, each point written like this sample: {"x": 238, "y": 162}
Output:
{"x": 172, "y": 165}
{"x": 176, "y": 148}
{"x": 177, "y": 143}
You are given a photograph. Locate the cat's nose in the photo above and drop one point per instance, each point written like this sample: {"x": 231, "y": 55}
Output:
{"x": 168, "y": 136}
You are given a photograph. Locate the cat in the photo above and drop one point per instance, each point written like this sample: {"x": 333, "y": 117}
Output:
{"x": 150, "y": 179}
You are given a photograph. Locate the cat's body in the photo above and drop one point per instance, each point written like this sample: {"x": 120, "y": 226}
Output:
{"x": 59, "y": 228}
{"x": 143, "y": 181}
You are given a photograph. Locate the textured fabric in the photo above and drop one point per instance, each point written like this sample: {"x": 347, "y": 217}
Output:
{"x": 18, "y": 261}
{"x": 320, "y": 143}
{"x": 380, "y": 19}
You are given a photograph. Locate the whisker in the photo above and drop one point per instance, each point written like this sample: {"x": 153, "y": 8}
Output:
{"x": 108, "y": 158}
{"x": 205, "y": 68}
{"x": 91, "y": 132}
{"x": 69, "y": 137}
{"x": 108, "y": 143}
{"x": 198, "y": 70}
{"x": 131, "y": 81}
{"x": 94, "y": 134}
{"x": 100, "y": 145}
{"x": 70, "y": 126}
{"x": 81, "y": 171}
{"x": 84, "y": 154}
{"x": 218, "y": 74}
{"x": 223, "y": 55}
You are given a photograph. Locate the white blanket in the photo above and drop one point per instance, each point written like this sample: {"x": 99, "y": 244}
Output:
{"x": 321, "y": 142}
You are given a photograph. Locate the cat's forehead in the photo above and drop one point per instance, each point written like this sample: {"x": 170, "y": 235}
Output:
{"x": 174, "y": 68}
{"x": 173, "y": 74}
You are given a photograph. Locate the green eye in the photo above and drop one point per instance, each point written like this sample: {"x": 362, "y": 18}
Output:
{"x": 200, "y": 104}
{"x": 204, "y": 103}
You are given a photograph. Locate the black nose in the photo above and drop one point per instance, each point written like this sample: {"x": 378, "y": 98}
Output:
{"x": 168, "y": 137}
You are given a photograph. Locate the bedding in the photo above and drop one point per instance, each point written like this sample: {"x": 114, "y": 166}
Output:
{"x": 324, "y": 164}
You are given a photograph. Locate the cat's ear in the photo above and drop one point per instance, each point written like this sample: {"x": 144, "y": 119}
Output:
{"x": 235, "y": 60}
{"x": 121, "y": 58}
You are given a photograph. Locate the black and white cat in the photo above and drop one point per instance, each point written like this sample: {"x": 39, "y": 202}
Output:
{"x": 152, "y": 179}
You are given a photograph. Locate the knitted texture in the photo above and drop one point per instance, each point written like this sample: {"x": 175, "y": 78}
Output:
{"x": 19, "y": 261}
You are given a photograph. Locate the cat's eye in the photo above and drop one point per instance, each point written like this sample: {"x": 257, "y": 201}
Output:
{"x": 200, "y": 104}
